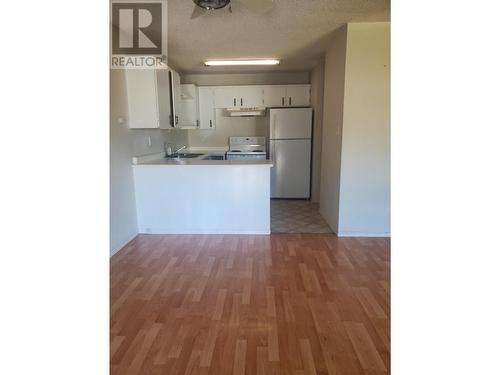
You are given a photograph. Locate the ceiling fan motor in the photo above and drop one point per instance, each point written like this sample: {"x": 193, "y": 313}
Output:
{"x": 211, "y": 4}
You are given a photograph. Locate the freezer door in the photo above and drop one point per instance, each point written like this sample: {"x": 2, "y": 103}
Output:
{"x": 290, "y": 123}
{"x": 291, "y": 173}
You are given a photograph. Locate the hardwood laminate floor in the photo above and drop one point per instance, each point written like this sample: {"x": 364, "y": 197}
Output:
{"x": 295, "y": 304}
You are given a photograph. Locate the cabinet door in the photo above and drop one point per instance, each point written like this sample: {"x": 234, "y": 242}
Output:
{"x": 298, "y": 96}
{"x": 206, "y": 108}
{"x": 142, "y": 98}
{"x": 175, "y": 89}
{"x": 274, "y": 96}
{"x": 226, "y": 97}
{"x": 164, "y": 108}
{"x": 188, "y": 114}
{"x": 251, "y": 96}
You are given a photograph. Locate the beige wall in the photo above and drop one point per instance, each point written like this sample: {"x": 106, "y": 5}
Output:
{"x": 365, "y": 168}
{"x": 125, "y": 143}
{"x": 317, "y": 92}
{"x": 123, "y": 222}
{"x": 355, "y": 179}
{"x": 333, "y": 106}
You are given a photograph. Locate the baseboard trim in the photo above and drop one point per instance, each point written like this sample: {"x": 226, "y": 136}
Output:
{"x": 171, "y": 231}
{"x": 357, "y": 234}
{"x": 120, "y": 248}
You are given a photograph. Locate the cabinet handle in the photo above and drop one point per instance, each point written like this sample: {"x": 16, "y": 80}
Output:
{"x": 197, "y": 123}
{"x": 210, "y": 123}
{"x": 234, "y": 101}
{"x": 290, "y": 100}
{"x": 283, "y": 101}
{"x": 241, "y": 101}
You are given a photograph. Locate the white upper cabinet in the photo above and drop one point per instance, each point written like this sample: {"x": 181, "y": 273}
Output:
{"x": 188, "y": 109}
{"x": 206, "y": 108}
{"x": 287, "y": 96}
{"x": 156, "y": 99}
{"x": 274, "y": 96}
{"x": 175, "y": 89}
{"x": 239, "y": 96}
{"x": 251, "y": 96}
{"x": 148, "y": 98}
{"x": 226, "y": 96}
{"x": 298, "y": 96}
{"x": 164, "y": 108}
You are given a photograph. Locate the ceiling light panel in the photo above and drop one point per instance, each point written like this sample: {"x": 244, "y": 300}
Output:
{"x": 242, "y": 62}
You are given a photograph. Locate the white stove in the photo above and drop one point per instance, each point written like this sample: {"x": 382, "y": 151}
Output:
{"x": 247, "y": 148}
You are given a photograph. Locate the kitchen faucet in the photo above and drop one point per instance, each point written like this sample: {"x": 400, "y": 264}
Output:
{"x": 180, "y": 149}
{"x": 168, "y": 149}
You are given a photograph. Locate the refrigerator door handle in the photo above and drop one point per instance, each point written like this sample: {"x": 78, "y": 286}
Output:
{"x": 273, "y": 127}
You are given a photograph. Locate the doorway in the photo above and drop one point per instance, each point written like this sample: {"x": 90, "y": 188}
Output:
{"x": 297, "y": 216}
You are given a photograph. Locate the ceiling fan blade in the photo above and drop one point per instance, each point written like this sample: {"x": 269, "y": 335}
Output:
{"x": 198, "y": 12}
{"x": 257, "y": 6}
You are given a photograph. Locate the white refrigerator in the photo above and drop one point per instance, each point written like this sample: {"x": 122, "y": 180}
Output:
{"x": 290, "y": 149}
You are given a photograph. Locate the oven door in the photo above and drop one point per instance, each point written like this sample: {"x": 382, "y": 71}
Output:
{"x": 245, "y": 156}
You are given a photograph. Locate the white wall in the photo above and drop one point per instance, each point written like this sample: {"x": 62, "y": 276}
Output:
{"x": 317, "y": 93}
{"x": 365, "y": 165}
{"x": 125, "y": 143}
{"x": 334, "y": 73}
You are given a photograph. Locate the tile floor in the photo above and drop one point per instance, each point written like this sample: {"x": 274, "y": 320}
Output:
{"x": 297, "y": 216}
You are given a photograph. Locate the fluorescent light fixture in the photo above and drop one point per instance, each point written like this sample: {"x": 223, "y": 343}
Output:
{"x": 242, "y": 62}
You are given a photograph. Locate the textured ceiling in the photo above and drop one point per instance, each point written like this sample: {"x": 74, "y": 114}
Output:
{"x": 295, "y": 31}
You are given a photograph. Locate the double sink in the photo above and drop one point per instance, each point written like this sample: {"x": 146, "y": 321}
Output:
{"x": 194, "y": 155}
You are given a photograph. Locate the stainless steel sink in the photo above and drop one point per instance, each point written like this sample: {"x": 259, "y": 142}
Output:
{"x": 184, "y": 156}
{"x": 214, "y": 157}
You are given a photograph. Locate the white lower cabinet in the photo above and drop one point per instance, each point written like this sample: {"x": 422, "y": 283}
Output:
{"x": 206, "y": 108}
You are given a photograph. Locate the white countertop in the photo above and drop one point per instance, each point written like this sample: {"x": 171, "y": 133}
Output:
{"x": 160, "y": 160}
{"x": 198, "y": 161}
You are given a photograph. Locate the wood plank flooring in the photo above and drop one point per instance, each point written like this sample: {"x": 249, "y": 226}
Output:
{"x": 297, "y": 304}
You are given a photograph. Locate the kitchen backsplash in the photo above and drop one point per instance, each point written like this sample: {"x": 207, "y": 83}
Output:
{"x": 228, "y": 127}
{"x": 139, "y": 140}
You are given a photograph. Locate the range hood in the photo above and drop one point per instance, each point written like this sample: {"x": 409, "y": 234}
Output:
{"x": 246, "y": 111}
